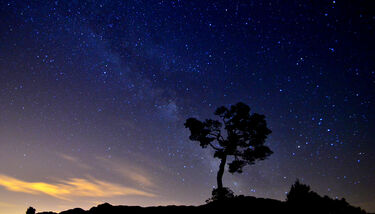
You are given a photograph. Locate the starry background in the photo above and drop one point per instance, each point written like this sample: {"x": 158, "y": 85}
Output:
{"x": 94, "y": 95}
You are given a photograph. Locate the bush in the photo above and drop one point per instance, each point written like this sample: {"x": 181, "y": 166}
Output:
{"x": 30, "y": 210}
{"x": 220, "y": 194}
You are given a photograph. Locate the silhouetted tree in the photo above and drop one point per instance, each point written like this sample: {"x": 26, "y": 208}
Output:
{"x": 243, "y": 139}
{"x": 298, "y": 192}
{"x": 30, "y": 210}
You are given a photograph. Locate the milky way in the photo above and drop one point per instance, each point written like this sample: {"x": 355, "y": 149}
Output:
{"x": 94, "y": 95}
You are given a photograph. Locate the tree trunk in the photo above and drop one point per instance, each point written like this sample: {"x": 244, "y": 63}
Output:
{"x": 221, "y": 172}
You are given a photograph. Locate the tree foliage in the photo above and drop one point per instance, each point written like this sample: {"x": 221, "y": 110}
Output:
{"x": 237, "y": 134}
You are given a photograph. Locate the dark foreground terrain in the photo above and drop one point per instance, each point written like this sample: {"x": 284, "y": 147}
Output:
{"x": 240, "y": 204}
{"x": 300, "y": 199}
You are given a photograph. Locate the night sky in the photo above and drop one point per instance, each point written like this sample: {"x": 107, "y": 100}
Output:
{"x": 94, "y": 96}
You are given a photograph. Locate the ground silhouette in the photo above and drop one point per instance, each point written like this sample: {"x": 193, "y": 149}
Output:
{"x": 238, "y": 135}
{"x": 300, "y": 199}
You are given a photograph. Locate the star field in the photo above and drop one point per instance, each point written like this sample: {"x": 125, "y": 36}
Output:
{"x": 95, "y": 94}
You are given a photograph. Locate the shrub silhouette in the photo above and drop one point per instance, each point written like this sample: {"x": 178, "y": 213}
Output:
{"x": 223, "y": 193}
{"x": 30, "y": 210}
{"x": 300, "y": 192}
{"x": 243, "y": 139}
{"x": 300, "y": 199}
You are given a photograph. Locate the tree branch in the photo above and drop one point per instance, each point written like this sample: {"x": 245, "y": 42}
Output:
{"x": 214, "y": 147}
{"x": 217, "y": 136}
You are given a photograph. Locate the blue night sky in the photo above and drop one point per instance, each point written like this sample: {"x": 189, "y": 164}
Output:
{"x": 94, "y": 96}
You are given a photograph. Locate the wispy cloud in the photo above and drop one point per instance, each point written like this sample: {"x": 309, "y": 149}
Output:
{"x": 75, "y": 161}
{"x": 74, "y": 187}
{"x": 5, "y": 204}
{"x": 128, "y": 171}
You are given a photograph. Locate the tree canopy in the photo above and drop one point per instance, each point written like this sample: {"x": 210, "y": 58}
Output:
{"x": 237, "y": 134}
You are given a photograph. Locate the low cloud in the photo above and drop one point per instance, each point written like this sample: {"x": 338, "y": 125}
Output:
{"x": 74, "y": 187}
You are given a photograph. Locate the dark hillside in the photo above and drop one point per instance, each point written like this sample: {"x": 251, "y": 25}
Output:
{"x": 236, "y": 204}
